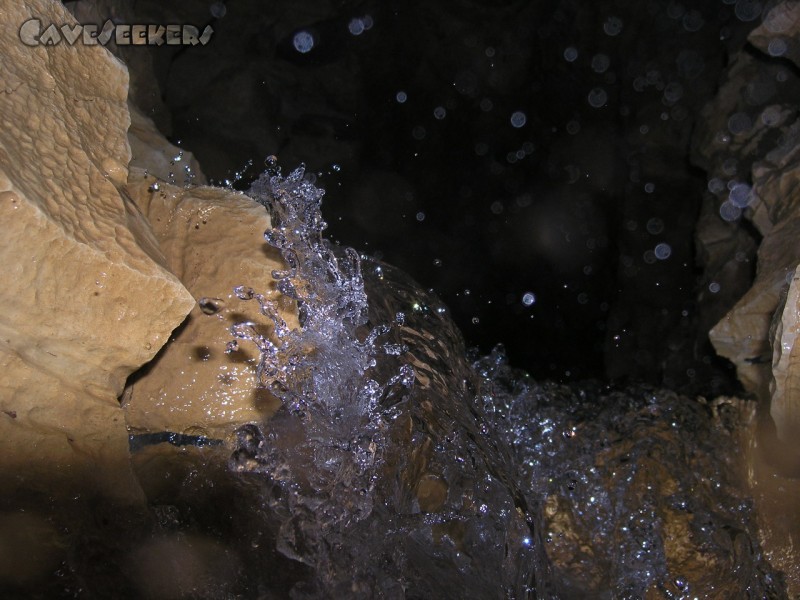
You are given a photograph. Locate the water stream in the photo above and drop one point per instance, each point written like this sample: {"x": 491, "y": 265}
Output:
{"x": 401, "y": 467}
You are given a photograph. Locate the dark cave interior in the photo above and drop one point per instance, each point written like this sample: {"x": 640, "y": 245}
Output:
{"x": 528, "y": 161}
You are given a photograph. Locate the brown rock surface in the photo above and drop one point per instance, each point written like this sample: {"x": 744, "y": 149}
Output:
{"x": 86, "y": 296}
{"x": 151, "y": 151}
{"x": 213, "y": 241}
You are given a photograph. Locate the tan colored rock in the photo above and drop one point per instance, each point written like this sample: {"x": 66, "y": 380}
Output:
{"x": 86, "y": 296}
{"x": 151, "y": 151}
{"x": 213, "y": 241}
{"x": 779, "y": 32}
{"x": 785, "y": 383}
{"x": 742, "y": 336}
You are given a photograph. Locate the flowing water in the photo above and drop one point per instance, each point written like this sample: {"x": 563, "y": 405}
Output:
{"x": 401, "y": 467}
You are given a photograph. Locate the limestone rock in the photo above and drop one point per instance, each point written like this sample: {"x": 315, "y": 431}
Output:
{"x": 86, "y": 295}
{"x": 151, "y": 151}
{"x": 213, "y": 241}
{"x": 779, "y": 33}
{"x": 785, "y": 383}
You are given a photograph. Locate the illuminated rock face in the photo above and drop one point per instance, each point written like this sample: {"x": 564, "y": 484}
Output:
{"x": 86, "y": 293}
{"x": 748, "y": 144}
{"x": 213, "y": 240}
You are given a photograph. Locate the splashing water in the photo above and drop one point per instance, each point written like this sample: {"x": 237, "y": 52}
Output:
{"x": 397, "y": 469}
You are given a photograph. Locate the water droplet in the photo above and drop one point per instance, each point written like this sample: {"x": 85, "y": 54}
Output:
{"x": 663, "y": 251}
{"x": 210, "y": 306}
{"x": 439, "y": 113}
{"x": 528, "y": 298}
{"x": 401, "y": 97}
{"x": 600, "y": 63}
{"x": 713, "y": 287}
{"x": 518, "y": 119}
{"x": 570, "y": 54}
{"x": 693, "y": 21}
{"x": 437, "y": 262}
{"x": 356, "y": 26}
{"x": 218, "y": 10}
{"x": 748, "y": 10}
{"x": 612, "y": 26}
{"x": 740, "y": 195}
{"x": 420, "y": 216}
{"x": 729, "y": 211}
{"x": 475, "y": 320}
{"x": 739, "y": 123}
{"x": 716, "y": 185}
{"x": 303, "y": 42}
{"x": 597, "y": 97}
{"x": 777, "y": 47}
{"x": 655, "y": 226}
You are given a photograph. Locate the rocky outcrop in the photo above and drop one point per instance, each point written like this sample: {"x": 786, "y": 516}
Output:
{"x": 213, "y": 241}
{"x": 749, "y": 143}
{"x": 87, "y": 295}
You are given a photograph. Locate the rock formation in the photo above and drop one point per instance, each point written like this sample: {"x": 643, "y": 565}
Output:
{"x": 87, "y": 293}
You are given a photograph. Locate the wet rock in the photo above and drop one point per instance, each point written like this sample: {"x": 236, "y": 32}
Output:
{"x": 152, "y": 152}
{"x": 779, "y": 33}
{"x": 785, "y": 381}
{"x": 213, "y": 240}
{"x": 87, "y": 296}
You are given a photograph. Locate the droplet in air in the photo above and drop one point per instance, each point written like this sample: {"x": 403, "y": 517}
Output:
{"x": 401, "y": 97}
{"x": 739, "y": 123}
{"x": 420, "y": 216}
{"x": 303, "y": 42}
{"x": 600, "y": 63}
{"x": 740, "y": 195}
{"x": 570, "y": 54}
{"x": 655, "y": 226}
{"x": 748, "y": 10}
{"x": 612, "y": 26}
{"x": 210, "y": 306}
{"x": 218, "y": 10}
{"x": 597, "y": 97}
{"x": 729, "y": 211}
{"x": 713, "y": 287}
{"x": 663, "y": 251}
{"x": 528, "y": 298}
{"x": 716, "y": 185}
{"x": 356, "y": 26}
{"x": 777, "y": 47}
{"x": 518, "y": 119}
{"x": 439, "y": 113}
{"x": 693, "y": 21}
{"x": 673, "y": 92}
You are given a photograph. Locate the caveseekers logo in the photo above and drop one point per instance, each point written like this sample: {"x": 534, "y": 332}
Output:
{"x": 33, "y": 34}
